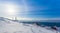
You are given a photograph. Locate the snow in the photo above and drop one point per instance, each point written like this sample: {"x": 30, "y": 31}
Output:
{"x": 16, "y": 27}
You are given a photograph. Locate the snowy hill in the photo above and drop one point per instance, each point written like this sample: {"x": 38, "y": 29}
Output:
{"x": 8, "y": 26}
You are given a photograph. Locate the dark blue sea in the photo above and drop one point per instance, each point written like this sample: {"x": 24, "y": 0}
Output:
{"x": 45, "y": 23}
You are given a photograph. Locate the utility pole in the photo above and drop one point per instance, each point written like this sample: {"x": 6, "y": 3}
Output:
{"x": 15, "y": 18}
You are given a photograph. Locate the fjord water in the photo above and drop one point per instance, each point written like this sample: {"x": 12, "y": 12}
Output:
{"x": 50, "y": 23}
{"x": 46, "y": 23}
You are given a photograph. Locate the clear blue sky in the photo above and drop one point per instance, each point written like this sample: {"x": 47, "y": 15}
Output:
{"x": 44, "y": 8}
{"x": 38, "y": 8}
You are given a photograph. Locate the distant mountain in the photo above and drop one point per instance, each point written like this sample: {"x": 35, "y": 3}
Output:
{"x": 49, "y": 20}
{"x": 4, "y": 19}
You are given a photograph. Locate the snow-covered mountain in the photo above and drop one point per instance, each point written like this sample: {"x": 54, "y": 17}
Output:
{"x": 8, "y": 26}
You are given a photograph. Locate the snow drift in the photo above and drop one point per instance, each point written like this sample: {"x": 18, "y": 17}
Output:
{"x": 7, "y": 26}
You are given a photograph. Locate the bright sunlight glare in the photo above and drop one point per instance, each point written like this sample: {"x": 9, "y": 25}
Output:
{"x": 11, "y": 9}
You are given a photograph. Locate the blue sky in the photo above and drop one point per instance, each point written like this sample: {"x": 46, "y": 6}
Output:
{"x": 36, "y": 8}
{"x": 45, "y": 8}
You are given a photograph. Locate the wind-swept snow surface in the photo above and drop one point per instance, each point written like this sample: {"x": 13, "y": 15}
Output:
{"x": 16, "y": 27}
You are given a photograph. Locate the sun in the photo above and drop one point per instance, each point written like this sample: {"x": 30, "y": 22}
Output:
{"x": 10, "y": 9}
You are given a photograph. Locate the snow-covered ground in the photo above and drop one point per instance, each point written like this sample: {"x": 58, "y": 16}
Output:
{"x": 16, "y": 27}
